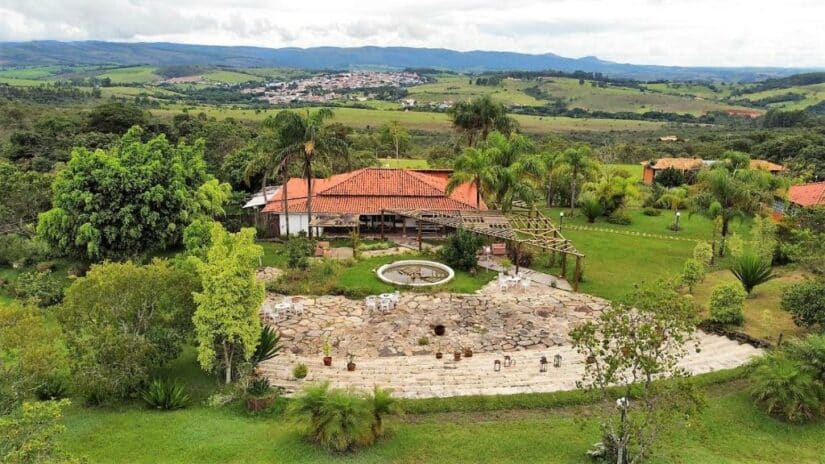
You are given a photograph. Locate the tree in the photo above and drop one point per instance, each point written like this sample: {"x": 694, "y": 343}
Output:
{"x": 304, "y": 136}
{"x": 673, "y": 198}
{"x": 590, "y": 206}
{"x": 721, "y": 192}
{"x": 23, "y": 195}
{"x": 577, "y": 166}
{"x": 806, "y": 303}
{"x": 726, "y": 303}
{"x": 132, "y": 199}
{"x": 461, "y": 250}
{"x": 630, "y": 348}
{"x": 122, "y": 320}
{"x": 693, "y": 272}
{"x": 473, "y": 165}
{"x": 480, "y": 116}
{"x": 30, "y": 435}
{"x": 115, "y": 117}
{"x": 227, "y": 326}
{"x": 787, "y": 388}
{"x": 516, "y": 172}
{"x": 33, "y": 355}
{"x": 395, "y": 134}
{"x": 613, "y": 189}
{"x": 670, "y": 177}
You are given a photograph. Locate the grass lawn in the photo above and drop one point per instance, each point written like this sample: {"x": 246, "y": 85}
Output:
{"x": 730, "y": 430}
{"x": 764, "y": 318}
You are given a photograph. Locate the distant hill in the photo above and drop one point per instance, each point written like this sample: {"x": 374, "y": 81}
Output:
{"x": 95, "y": 52}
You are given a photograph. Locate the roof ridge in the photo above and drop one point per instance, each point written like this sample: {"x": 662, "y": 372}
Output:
{"x": 345, "y": 176}
{"x": 427, "y": 179}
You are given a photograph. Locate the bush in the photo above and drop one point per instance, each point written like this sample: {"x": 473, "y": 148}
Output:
{"x": 670, "y": 177}
{"x": 41, "y": 288}
{"x": 460, "y": 250}
{"x": 51, "y": 389}
{"x": 787, "y": 388}
{"x": 525, "y": 257}
{"x": 693, "y": 272}
{"x": 703, "y": 253}
{"x": 751, "y": 270}
{"x": 811, "y": 352}
{"x": 259, "y": 386}
{"x": 619, "y": 217}
{"x": 341, "y": 420}
{"x": 590, "y": 206}
{"x": 300, "y": 371}
{"x": 726, "y": 303}
{"x": 269, "y": 345}
{"x": 18, "y": 251}
{"x": 298, "y": 251}
{"x": 165, "y": 395}
{"x": 806, "y": 303}
{"x": 651, "y": 212}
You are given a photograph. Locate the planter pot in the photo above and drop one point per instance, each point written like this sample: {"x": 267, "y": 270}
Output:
{"x": 259, "y": 404}
{"x": 350, "y": 367}
{"x": 468, "y": 353}
{"x": 591, "y": 359}
{"x": 327, "y": 360}
{"x": 440, "y": 330}
{"x": 457, "y": 356}
{"x": 439, "y": 355}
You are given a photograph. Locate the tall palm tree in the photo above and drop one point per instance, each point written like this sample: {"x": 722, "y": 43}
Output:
{"x": 303, "y": 136}
{"x": 270, "y": 161}
{"x": 578, "y": 166}
{"x": 473, "y": 165}
{"x": 479, "y": 117}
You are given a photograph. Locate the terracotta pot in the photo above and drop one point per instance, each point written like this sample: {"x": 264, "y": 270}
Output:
{"x": 259, "y": 404}
{"x": 457, "y": 356}
{"x": 439, "y": 355}
{"x": 440, "y": 330}
{"x": 468, "y": 353}
{"x": 327, "y": 360}
{"x": 350, "y": 367}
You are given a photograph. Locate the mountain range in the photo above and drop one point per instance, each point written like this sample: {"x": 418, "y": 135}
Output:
{"x": 49, "y": 52}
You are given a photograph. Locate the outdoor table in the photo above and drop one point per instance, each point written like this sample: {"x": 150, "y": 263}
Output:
{"x": 282, "y": 308}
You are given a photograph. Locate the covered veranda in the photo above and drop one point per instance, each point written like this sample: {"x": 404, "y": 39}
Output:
{"x": 518, "y": 228}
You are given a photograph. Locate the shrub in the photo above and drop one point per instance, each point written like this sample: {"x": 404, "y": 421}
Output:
{"x": 670, "y": 177}
{"x": 382, "y": 404}
{"x": 726, "y": 303}
{"x": 51, "y": 389}
{"x": 787, "y": 388}
{"x": 460, "y": 250}
{"x": 41, "y": 288}
{"x": 337, "y": 420}
{"x": 300, "y": 371}
{"x": 811, "y": 352}
{"x": 269, "y": 345}
{"x": 703, "y": 253}
{"x": 806, "y": 303}
{"x": 525, "y": 257}
{"x": 298, "y": 251}
{"x": 693, "y": 272}
{"x": 751, "y": 270}
{"x": 259, "y": 386}
{"x": 651, "y": 212}
{"x": 619, "y": 217}
{"x": 18, "y": 251}
{"x": 590, "y": 206}
{"x": 423, "y": 341}
{"x": 165, "y": 395}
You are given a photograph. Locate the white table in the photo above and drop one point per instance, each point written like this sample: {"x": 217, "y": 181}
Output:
{"x": 283, "y": 308}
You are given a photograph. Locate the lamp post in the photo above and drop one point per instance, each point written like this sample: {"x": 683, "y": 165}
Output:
{"x": 543, "y": 364}
{"x": 557, "y": 360}
{"x": 678, "y": 215}
{"x": 561, "y": 219}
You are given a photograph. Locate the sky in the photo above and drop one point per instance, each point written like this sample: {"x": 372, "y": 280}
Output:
{"x": 668, "y": 32}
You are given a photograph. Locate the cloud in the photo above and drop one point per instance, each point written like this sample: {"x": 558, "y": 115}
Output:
{"x": 677, "y": 32}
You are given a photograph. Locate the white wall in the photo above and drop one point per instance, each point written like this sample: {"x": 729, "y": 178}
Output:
{"x": 297, "y": 223}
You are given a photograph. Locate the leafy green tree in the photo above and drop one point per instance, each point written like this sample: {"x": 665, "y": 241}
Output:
{"x": 613, "y": 189}
{"x": 32, "y": 354}
{"x": 23, "y": 195}
{"x": 674, "y": 198}
{"x": 806, "y": 303}
{"x": 703, "y": 253}
{"x": 473, "y": 165}
{"x": 577, "y": 166}
{"x": 631, "y": 350}
{"x": 693, "y": 272}
{"x": 135, "y": 198}
{"x": 227, "y": 326}
{"x": 115, "y": 117}
{"x": 298, "y": 251}
{"x": 394, "y": 134}
{"x": 476, "y": 118}
{"x": 122, "y": 320}
{"x": 461, "y": 250}
{"x": 726, "y": 303}
{"x": 30, "y": 435}
{"x": 670, "y": 178}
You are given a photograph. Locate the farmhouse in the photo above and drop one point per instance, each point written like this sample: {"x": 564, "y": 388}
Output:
{"x": 801, "y": 196}
{"x": 690, "y": 166}
{"x": 345, "y": 201}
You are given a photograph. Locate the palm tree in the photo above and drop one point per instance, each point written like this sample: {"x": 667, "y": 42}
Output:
{"x": 270, "y": 161}
{"x": 577, "y": 165}
{"x": 674, "y": 198}
{"x": 478, "y": 117}
{"x": 303, "y": 136}
{"x": 475, "y": 166}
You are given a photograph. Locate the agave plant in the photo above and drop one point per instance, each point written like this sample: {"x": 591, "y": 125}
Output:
{"x": 165, "y": 395}
{"x": 751, "y": 270}
{"x": 787, "y": 388}
{"x": 269, "y": 345}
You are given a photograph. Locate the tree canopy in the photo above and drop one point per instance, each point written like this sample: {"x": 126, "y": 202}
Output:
{"x": 134, "y": 198}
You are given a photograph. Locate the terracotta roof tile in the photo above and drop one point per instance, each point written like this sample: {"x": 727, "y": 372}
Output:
{"x": 807, "y": 194}
{"x": 681, "y": 164}
{"x": 766, "y": 165}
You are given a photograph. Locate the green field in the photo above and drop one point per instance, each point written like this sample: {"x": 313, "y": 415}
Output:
{"x": 131, "y": 75}
{"x": 230, "y": 77}
{"x": 813, "y": 95}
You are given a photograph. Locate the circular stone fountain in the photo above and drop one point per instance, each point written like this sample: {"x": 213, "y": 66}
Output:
{"x": 415, "y": 273}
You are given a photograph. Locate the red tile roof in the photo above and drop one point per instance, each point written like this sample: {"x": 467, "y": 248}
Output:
{"x": 766, "y": 165}
{"x": 369, "y": 190}
{"x": 807, "y": 194}
{"x": 680, "y": 164}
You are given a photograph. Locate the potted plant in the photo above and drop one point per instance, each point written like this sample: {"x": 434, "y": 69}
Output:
{"x": 457, "y": 355}
{"x": 350, "y": 362}
{"x": 327, "y": 349}
{"x": 506, "y": 264}
{"x": 260, "y": 395}
{"x": 438, "y": 353}
{"x": 468, "y": 351}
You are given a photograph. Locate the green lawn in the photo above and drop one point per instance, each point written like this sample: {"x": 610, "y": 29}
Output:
{"x": 131, "y": 75}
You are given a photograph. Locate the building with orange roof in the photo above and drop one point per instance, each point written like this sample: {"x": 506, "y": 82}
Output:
{"x": 345, "y": 201}
{"x": 800, "y": 196}
{"x": 690, "y": 166}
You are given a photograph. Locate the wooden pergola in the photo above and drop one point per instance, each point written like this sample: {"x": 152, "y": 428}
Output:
{"x": 518, "y": 228}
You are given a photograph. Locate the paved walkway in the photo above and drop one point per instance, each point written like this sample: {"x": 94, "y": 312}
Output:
{"x": 535, "y": 276}
{"x": 425, "y": 376}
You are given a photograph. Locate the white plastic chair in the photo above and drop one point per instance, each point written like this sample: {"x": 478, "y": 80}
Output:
{"x": 386, "y": 304}
{"x": 396, "y": 297}
{"x": 372, "y": 303}
{"x": 298, "y": 307}
{"x": 525, "y": 284}
{"x": 503, "y": 284}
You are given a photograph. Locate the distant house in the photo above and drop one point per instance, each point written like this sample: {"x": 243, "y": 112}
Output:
{"x": 669, "y": 138}
{"x": 357, "y": 199}
{"x": 689, "y": 167}
{"x": 801, "y": 196}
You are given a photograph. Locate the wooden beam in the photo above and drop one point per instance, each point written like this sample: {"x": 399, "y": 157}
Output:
{"x": 382, "y": 224}
{"x": 577, "y": 274}
{"x": 420, "y": 242}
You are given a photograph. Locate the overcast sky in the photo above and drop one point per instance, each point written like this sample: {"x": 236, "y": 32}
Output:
{"x": 676, "y": 32}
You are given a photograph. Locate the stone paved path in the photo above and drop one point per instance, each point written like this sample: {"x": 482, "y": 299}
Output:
{"x": 424, "y": 376}
{"x": 535, "y": 276}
